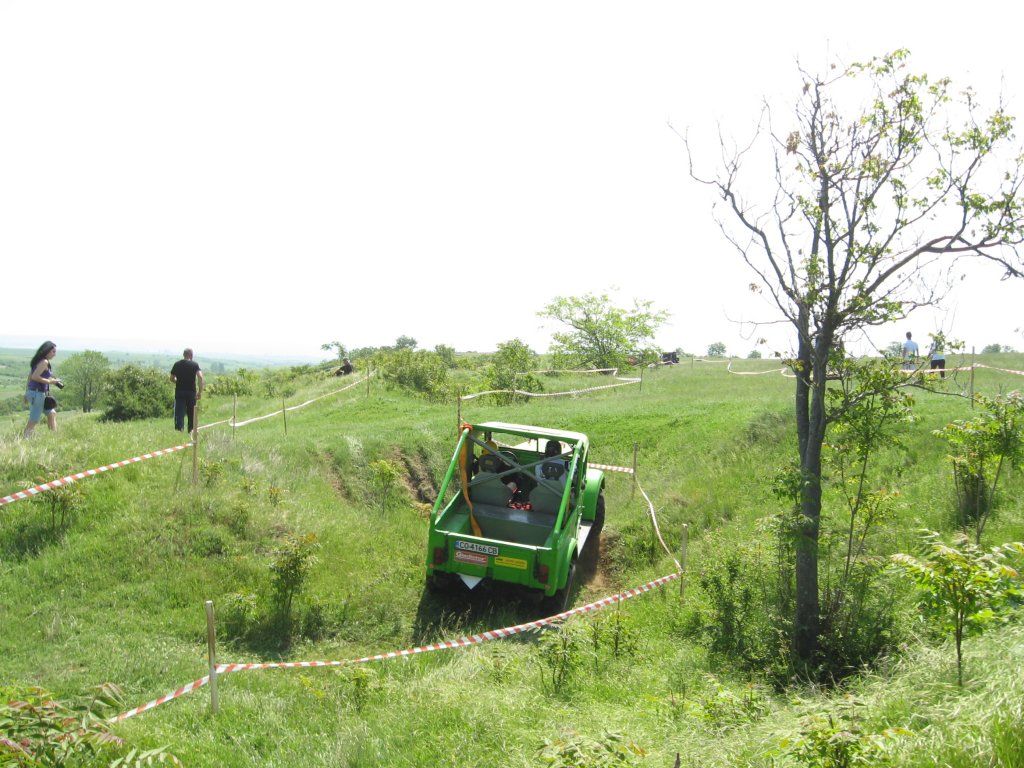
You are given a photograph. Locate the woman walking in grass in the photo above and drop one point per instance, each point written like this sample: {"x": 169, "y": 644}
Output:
{"x": 38, "y": 393}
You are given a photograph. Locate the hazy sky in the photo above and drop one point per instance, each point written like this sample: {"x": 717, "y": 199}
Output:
{"x": 264, "y": 177}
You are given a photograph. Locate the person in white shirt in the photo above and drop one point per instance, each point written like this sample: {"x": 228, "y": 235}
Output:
{"x": 910, "y": 353}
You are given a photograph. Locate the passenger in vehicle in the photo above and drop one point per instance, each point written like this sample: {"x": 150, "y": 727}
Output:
{"x": 553, "y": 467}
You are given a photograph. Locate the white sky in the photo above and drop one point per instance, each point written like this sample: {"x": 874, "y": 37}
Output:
{"x": 264, "y": 177}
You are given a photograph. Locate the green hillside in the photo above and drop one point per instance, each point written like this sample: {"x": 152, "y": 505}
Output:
{"x": 106, "y": 582}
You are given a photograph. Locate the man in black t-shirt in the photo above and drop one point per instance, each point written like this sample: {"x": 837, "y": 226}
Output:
{"x": 185, "y": 374}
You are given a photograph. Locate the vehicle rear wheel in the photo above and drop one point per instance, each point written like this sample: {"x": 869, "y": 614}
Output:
{"x": 598, "y": 515}
{"x": 559, "y": 601}
{"x": 440, "y": 582}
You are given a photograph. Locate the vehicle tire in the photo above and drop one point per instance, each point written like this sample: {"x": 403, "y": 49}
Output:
{"x": 559, "y": 601}
{"x": 598, "y": 515}
{"x": 438, "y": 583}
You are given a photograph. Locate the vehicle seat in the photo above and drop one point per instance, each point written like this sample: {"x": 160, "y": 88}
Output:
{"x": 490, "y": 463}
{"x": 547, "y": 498}
{"x": 487, "y": 488}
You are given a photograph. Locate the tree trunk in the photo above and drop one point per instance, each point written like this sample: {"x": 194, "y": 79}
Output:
{"x": 811, "y": 420}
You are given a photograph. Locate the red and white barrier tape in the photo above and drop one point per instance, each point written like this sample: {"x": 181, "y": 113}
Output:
{"x": 581, "y": 370}
{"x": 625, "y": 383}
{"x": 295, "y": 407}
{"x": 178, "y": 692}
{"x": 907, "y": 371}
{"x": 755, "y": 373}
{"x": 611, "y": 468}
{"x": 916, "y": 371}
{"x": 657, "y": 528}
{"x": 462, "y": 642}
{"x": 993, "y": 368}
{"x": 30, "y": 492}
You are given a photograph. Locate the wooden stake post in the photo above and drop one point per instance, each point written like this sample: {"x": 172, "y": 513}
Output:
{"x": 636, "y": 448}
{"x": 195, "y": 444}
{"x": 211, "y": 644}
{"x": 682, "y": 560}
{"x": 972, "y": 378}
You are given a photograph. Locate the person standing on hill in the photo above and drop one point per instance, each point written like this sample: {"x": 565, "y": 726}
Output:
{"x": 937, "y": 354}
{"x": 188, "y": 388}
{"x": 37, "y": 395}
{"x": 910, "y": 353}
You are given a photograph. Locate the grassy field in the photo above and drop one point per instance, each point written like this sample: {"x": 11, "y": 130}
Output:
{"x": 117, "y": 593}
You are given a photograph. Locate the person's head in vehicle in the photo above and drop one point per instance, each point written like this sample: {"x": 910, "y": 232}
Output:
{"x": 552, "y": 468}
{"x": 490, "y": 460}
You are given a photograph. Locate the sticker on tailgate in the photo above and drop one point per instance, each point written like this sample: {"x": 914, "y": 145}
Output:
{"x": 511, "y": 562}
{"x": 472, "y": 558}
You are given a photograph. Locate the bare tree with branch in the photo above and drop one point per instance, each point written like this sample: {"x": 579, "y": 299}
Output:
{"x": 881, "y": 183}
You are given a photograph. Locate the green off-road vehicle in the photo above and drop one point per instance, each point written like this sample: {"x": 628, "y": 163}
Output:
{"x": 520, "y": 510}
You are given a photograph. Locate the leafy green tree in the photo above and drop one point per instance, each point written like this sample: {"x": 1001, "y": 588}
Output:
{"x": 997, "y": 348}
{"x": 446, "y": 353}
{"x": 83, "y": 374}
{"x": 881, "y": 180}
{"x": 962, "y": 588}
{"x": 716, "y": 350}
{"x": 417, "y": 371}
{"x": 405, "y": 342}
{"x": 894, "y": 350}
{"x": 132, "y": 392}
{"x": 600, "y": 334}
{"x": 754, "y": 355}
{"x": 983, "y": 447}
{"x": 363, "y": 353}
{"x": 340, "y": 352}
{"x": 511, "y": 368}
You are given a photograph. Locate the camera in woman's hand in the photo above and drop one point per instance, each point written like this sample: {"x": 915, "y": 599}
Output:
{"x": 59, "y": 384}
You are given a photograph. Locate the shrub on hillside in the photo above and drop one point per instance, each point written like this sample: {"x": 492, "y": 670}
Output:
{"x": 736, "y": 614}
{"x": 243, "y": 382}
{"x": 982, "y": 450}
{"x": 419, "y": 371}
{"x": 133, "y": 392}
{"x": 511, "y": 369}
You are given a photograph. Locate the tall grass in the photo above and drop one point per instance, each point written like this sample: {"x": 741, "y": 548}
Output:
{"x": 117, "y": 593}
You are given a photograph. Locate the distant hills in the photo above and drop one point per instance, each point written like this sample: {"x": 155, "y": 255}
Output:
{"x": 220, "y": 363}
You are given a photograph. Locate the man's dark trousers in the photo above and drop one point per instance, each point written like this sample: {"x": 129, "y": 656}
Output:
{"x": 184, "y": 406}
